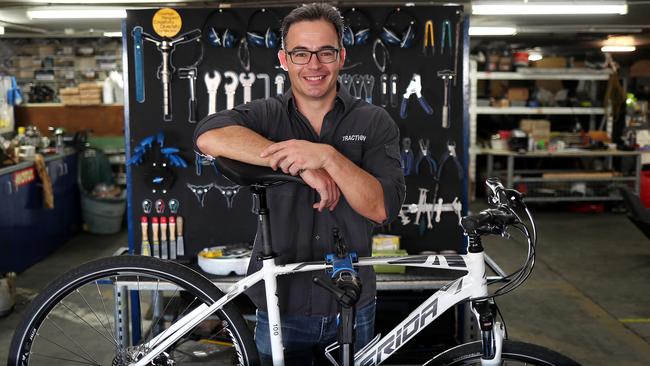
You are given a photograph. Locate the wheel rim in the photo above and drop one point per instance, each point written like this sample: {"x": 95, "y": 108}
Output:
{"x": 91, "y": 324}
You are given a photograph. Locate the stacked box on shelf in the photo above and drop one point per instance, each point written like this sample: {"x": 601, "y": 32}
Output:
{"x": 69, "y": 96}
{"x": 90, "y": 93}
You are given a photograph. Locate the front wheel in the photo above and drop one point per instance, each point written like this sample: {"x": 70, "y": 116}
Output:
{"x": 103, "y": 312}
{"x": 513, "y": 353}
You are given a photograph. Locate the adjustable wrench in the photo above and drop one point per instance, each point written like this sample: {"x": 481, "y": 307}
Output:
{"x": 230, "y": 88}
{"x": 212, "y": 84}
{"x": 267, "y": 84}
{"x": 189, "y": 73}
{"x": 393, "y": 90}
{"x": 246, "y": 82}
{"x": 279, "y": 84}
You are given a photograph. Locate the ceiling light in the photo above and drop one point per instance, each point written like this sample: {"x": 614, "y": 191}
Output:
{"x": 549, "y": 8}
{"x": 112, "y": 34}
{"x": 2, "y": 30}
{"x": 535, "y": 56}
{"x": 77, "y": 14}
{"x": 492, "y": 31}
{"x": 618, "y": 48}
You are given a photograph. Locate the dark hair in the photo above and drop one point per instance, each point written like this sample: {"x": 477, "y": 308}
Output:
{"x": 313, "y": 11}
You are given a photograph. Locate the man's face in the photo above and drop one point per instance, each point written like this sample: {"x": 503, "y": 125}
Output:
{"x": 314, "y": 79}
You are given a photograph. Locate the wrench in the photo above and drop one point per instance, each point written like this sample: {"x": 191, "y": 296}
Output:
{"x": 247, "y": 83}
{"x": 393, "y": 90}
{"x": 368, "y": 86}
{"x": 346, "y": 81}
{"x": 384, "y": 90}
{"x": 189, "y": 73}
{"x": 212, "y": 84}
{"x": 230, "y": 88}
{"x": 279, "y": 84}
{"x": 357, "y": 85}
{"x": 267, "y": 84}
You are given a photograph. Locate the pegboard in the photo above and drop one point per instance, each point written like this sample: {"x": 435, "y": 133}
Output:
{"x": 214, "y": 223}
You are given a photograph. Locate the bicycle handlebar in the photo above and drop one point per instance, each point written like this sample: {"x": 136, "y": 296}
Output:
{"x": 492, "y": 220}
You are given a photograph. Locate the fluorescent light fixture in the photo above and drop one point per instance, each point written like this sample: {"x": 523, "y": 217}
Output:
{"x": 2, "y": 30}
{"x": 618, "y": 48}
{"x": 549, "y": 8}
{"x": 78, "y": 14}
{"x": 112, "y": 34}
{"x": 492, "y": 31}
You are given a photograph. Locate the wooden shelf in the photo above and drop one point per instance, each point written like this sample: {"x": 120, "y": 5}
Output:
{"x": 545, "y": 74}
{"x": 539, "y": 110}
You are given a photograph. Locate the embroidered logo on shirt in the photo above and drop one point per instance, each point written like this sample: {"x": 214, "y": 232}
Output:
{"x": 354, "y": 138}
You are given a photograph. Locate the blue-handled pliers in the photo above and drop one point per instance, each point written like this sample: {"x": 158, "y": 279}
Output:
{"x": 407, "y": 156}
{"x": 414, "y": 87}
{"x": 426, "y": 156}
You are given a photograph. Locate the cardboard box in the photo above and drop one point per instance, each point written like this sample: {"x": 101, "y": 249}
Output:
{"x": 382, "y": 242}
{"x": 538, "y": 129}
{"x": 44, "y": 50}
{"x": 550, "y": 63}
{"x": 518, "y": 93}
{"x": 384, "y": 268}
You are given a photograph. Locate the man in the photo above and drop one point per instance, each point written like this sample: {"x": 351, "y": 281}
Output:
{"x": 345, "y": 150}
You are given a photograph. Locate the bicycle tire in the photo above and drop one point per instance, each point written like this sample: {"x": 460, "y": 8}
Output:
{"x": 513, "y": 353}
{"x": 62, "y": 319}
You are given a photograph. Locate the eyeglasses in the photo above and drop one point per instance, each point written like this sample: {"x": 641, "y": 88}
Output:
{"x": 303, "y": 57}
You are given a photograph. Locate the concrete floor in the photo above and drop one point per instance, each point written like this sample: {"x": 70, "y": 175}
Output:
{"x": 589, "y": 296}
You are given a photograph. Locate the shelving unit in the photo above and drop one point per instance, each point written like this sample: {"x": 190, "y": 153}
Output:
{"x": 527, "y": 74}
{"x": 545, "y": 185}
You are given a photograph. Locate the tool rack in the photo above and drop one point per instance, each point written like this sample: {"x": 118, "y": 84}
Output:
{"x": 214, "y": 223}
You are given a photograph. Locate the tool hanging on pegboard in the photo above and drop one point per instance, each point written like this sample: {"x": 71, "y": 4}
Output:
{"x": 157, "y": 162}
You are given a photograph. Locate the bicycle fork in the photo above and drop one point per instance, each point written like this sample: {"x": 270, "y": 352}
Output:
{"x": 492, "y": 333}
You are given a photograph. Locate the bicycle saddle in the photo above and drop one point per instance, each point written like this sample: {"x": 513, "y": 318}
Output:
{"x": 248, "y": 174}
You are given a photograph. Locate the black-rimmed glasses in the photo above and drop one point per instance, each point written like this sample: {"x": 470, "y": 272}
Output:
{"x": 303, "y": 57}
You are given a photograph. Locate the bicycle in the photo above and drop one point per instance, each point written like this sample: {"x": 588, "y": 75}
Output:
{"x": 168, "y": 327}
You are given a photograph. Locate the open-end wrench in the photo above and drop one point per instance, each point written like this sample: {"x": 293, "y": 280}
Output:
{"x": 279, "y": 84}
{"x": 189, "y": 73}
{"x": 231, "y": 88}
{"x": 212, "y": 84}
{"x": 267, "y": 84}
{"x": 368, "y": 87}
{"x": 346, "y": 81}
{"x": 357, "y": 85}
{"x": 393, "y": 90}
{"x": 247, "y": 81}
{"x": 384, "y": 90}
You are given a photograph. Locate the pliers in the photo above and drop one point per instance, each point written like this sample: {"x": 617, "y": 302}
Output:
{"x": 414, "y": 87}
{"x": 407, "y": 156}
{"x": 426, "y": 156}
{"x": 451, "y": 154}
{"x": 446, "y": 35}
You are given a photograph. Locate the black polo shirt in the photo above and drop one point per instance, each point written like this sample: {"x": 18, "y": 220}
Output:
{"x": 365, "y": 134}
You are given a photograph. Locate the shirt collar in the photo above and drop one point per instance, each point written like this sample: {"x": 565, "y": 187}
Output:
{"x": 342, "y": 95}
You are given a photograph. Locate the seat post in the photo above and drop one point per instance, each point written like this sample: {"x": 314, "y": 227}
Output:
{"x": 262, "y": 211}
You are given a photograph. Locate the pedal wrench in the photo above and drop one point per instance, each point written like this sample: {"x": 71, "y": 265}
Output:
{"x": 267, "y": 84}
{"x": 139, "y": 63}
{"x": 231, "y": 88}
{"x": 247, "y": 82}
{"x": 279, "y": 84}
{"x": 212, "y": 84}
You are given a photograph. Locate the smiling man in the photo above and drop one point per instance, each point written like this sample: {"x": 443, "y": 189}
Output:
{"x": 345, "y": 150}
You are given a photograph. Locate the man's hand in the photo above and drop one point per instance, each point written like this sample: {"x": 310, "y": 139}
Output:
{"x": 295, "y": 156}
{"x": 321, "y": 181}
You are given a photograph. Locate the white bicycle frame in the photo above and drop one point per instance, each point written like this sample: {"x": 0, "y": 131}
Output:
{"x": 470, "y": 286}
